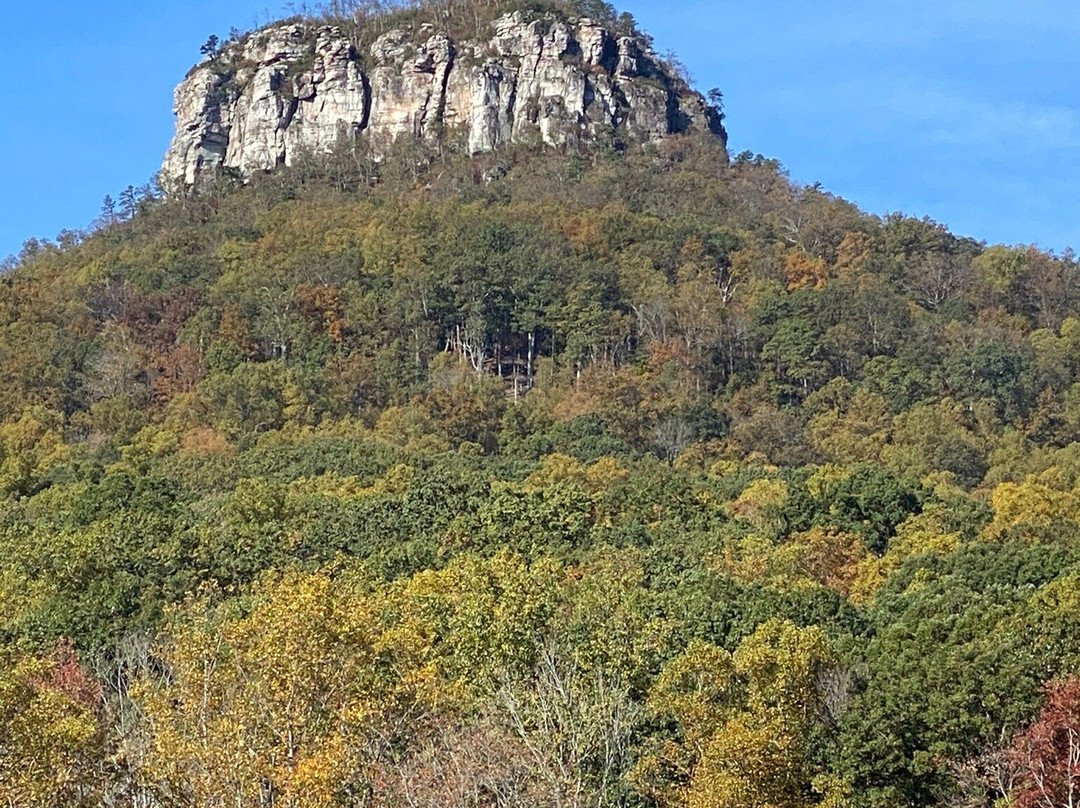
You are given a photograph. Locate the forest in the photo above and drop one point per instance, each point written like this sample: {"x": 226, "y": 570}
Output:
{"x": 636, "y": 476}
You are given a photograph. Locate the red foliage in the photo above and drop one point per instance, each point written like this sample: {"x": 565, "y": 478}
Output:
{"x": 1047, "y": 754}
{"x": 67, "y": 675}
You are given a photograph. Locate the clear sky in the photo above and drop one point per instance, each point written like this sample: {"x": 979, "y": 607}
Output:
{"x": 967, "y": 111}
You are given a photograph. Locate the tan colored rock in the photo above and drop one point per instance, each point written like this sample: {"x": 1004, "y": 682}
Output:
{"x": 408, "y": 84}
{"x": 294, "y": 88}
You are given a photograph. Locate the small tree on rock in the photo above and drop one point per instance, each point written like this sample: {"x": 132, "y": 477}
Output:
{"x": 212, "y": 47}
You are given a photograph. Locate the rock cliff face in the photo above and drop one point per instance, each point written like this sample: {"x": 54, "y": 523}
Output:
{"x": 290, "y": 88}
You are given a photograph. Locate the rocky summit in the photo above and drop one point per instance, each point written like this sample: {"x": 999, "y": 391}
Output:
{"x": 301, "y": 87}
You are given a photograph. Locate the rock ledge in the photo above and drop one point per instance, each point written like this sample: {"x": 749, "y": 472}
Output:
{"x": 295, "y": 87}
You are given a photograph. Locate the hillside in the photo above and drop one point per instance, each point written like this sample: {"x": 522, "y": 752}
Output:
{"x": 614, "y": 472}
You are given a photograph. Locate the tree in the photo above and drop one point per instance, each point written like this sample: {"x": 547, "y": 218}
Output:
{"x": 716, "y": 101}
{"x": 108, "y": 210}
{"x": 292, "y": 704}
{"x": 129, "y": 202}
{"x": 745, "y": 720}
{"x": 870, "y": 500}
{"x": 854, "y": 429}
{"x": 575, "y": 727}
{"x": 1047, "y": 753}
{"x": 52, "y": 738}
{"x": 212, "y": 47}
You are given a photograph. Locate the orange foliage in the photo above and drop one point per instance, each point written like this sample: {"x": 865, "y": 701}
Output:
{"x": 179, "y": 370}
{"x": 853, "y": 252}
{"x": 206, "y": 440}
{"x": 830, "y": 558}
{"x": 324, "y": 309}
{"x": 663, "y": 353}
{"x": 802, "y": 270}
{"x": 584, "y": 233}
{"x": 234, "y": 328}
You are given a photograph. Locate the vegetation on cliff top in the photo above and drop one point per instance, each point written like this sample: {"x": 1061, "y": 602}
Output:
{"x": 365, "y": 20}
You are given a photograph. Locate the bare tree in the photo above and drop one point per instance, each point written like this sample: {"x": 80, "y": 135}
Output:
{"x": 575, "y": 726}
{"x": 935, "y": 278}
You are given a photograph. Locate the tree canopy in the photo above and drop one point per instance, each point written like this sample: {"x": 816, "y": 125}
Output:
{"x": 606, "y": 477}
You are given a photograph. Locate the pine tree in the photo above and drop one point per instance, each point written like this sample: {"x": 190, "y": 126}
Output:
{"x": 128, "y": 202}
{"x": 108, "y": 211}
{"x": 212, "y": 47}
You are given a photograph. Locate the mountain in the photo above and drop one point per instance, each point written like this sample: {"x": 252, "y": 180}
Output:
{"x": 288, "y": 89}
{"x": 610, "y": 472}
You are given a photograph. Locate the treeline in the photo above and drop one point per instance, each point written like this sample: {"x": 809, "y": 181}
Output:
{"x": 631, "y": 478}
{"x": 365, "y": 20}
{"x": 462, "y": 17}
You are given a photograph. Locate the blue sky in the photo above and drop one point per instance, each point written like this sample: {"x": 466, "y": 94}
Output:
{"x": 962, "y": 110}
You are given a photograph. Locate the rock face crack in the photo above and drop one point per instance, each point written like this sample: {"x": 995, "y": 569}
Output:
{"x": 539, "y": 54}
{"x": 295, "y": 88}
{"x": 290, "y": 112}
{"x": 440, "y": 111}
{"x": 365, "y": 116}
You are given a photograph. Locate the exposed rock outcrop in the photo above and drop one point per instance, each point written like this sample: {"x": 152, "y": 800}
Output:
{"x": 294, "y": 87}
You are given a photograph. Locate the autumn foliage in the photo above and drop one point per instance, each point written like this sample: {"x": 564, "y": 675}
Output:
{"x": 1046, "y": 755}
{"x": 621, "y": 477}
